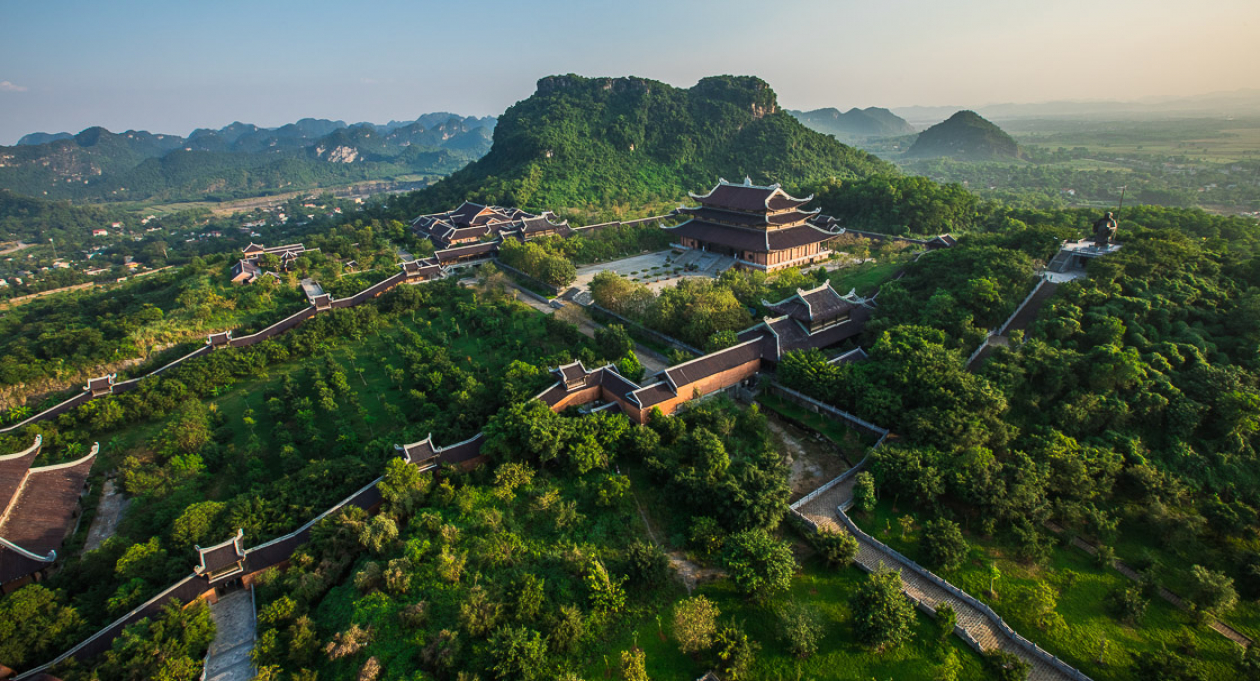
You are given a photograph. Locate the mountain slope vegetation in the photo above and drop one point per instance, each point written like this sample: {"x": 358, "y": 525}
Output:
{"x": 597, "y": 141}
{"x": 238, "y": 160}
{"x": 965, "y": 136}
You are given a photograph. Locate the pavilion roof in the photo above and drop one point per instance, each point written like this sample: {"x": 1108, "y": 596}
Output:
{"x": 571, "y": 372}
{"x": 41, "y": 514}
{"x": 749, "y": 197}
{"x": 222, "y": 555}
{"x": 819, "y": 303}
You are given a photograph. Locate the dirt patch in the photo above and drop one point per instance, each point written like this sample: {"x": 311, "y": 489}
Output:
{"x": 691, "y": 573}
{"x": 108, "y": 514}
{"x": 813, "y": 459}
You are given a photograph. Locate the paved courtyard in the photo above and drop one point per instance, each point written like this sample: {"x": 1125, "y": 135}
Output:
{"x": 659, "y": 270}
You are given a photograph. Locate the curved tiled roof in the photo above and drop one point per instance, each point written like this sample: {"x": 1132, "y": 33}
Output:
{"x": 750, "y": 197}
{"x": 13, "y": 470}
{"x": 754, "y": 240}
{"x": 222, "y": 555}
{"x": 40, "y": 515}
{"x": 819, "y": 303}
{"x": 745, "y": 219}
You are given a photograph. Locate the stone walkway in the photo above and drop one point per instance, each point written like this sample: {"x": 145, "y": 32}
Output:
{"x": 234, "y": 638}
{"x": 822, "y": 511}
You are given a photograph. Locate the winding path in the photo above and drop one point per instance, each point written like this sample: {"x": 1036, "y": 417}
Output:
{"x": 824, "y": 510}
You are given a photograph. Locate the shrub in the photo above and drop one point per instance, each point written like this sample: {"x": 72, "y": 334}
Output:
{"x": 943, "y": 544}
{"x": 801, "y": 628}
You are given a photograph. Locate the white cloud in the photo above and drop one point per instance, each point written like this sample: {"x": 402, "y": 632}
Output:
{"x": 6, "y": 86}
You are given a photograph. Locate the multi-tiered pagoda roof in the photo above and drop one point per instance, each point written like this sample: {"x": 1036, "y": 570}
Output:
{"x": 760, "y": 226}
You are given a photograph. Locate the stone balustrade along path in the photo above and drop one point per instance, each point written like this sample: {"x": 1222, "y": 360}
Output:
{"x": 822, "y": 511}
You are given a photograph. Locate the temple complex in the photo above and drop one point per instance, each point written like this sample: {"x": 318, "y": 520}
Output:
{"x": 38, "y": 510}
{"x": 816, "y": 318}
{"x": 247, "y": 270}
{"x": 473, "y": 222}
{"x": 762, "y": 228}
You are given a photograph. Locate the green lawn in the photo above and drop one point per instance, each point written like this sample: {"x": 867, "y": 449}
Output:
{"x": 840, "y": 656}
{"x": 866, "y": 277}
{"x": 1082, "y": 589}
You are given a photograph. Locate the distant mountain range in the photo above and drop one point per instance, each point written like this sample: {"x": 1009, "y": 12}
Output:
{"x": 1244, "y": 102}
{"x": 855, "y": 123}
{"x": 237, "y": 160}
{"x": 965, "y": 136}
{"x": 579, "y": 142}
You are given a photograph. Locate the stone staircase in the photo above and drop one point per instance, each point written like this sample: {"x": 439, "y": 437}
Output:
{"x": 1059, "y": 262}
{"x": 234, "y": 623}
{"x": 823, "y": 509}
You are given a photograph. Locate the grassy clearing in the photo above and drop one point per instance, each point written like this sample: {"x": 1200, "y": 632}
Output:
{"x": 1082, "y": 588}
{"x": 866, "y": 277}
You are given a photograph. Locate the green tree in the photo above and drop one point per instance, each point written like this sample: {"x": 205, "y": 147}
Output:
{"x": 606, "y": 592}
{"x": 1210, "y": 591}
{"x": 1010, "y": 667}
{"x": 1127, "y": 604}
{"x": 864, "y": 492}
{"x": 404, "y": 487}
{"x": 946, "y": 619}
{"x": 518, "y": 653}
{"x": 34, "y": 624}
{"x": 837, "y": 547}
{"x": 197, "y": 524}
{"x": 1166, "y": 665}
{"x": 695, "y": 623}
{"x": 634, "y": 665}
{"x": 949, "y": 668}
{"x": 613, "y": 342}
{"x": 882, "y": 616}
{"x": 378, "y": 533}
{"x": 734, "y": 653}
{"x": 943, "y": 544}
{"x": 801, "y": 628}
{"x": 758, "y": 564}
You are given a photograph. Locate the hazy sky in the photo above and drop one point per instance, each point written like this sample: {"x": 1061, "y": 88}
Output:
{"x": 173, "y": 66}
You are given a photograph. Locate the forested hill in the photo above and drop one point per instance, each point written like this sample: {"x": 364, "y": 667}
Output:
{"x": 854, "y": 123}
{"x": 36, "y": 221}
{"x": 238, "y": 160}
{"x": 582, "y": 142}
{"x": 965, "y": 136}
